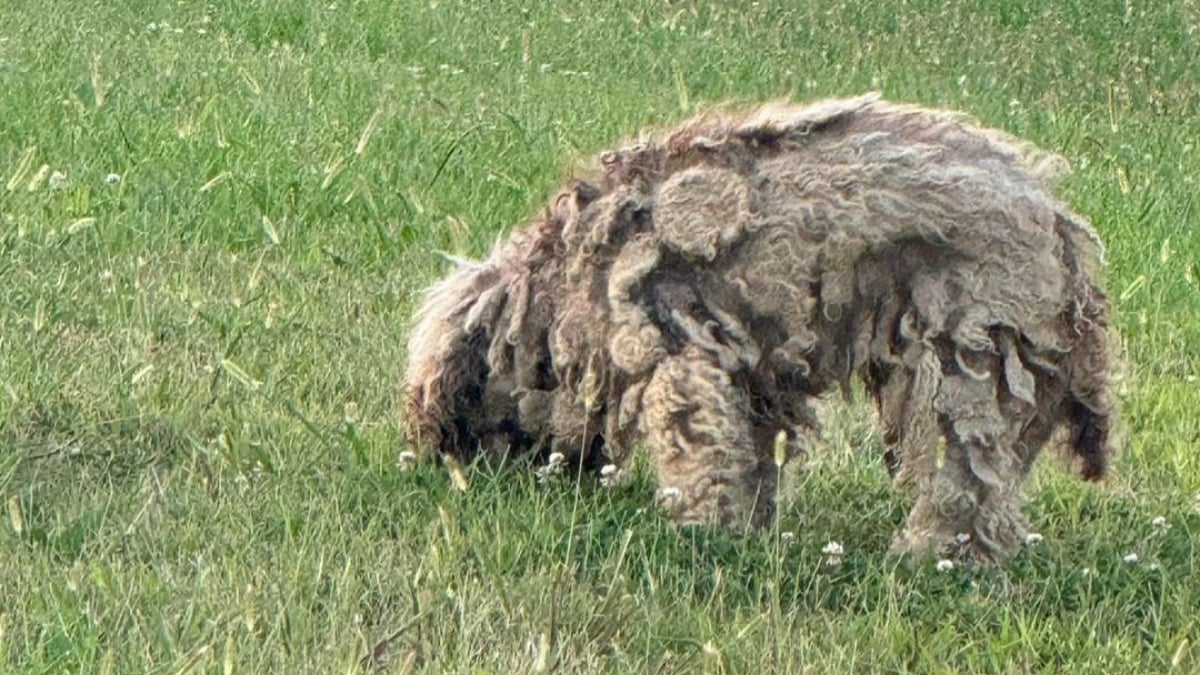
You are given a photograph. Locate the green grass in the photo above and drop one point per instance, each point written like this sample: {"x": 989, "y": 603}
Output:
{"x": 199, "y": 363}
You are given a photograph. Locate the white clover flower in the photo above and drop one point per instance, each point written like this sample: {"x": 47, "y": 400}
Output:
{"x": 57, "y": 181}
{"x": 962, "y": 538}
{"x": 1033, "y": 538}
{"x": 611, "y": 476}
{"x": 406, "y": 460}
{"x": 669, "y": 497}
{"x": 833, "y": 553}
{"x": 1159, "y": 523}
{"x": 945, "y": 565}
{"x": 553, "y": 468}
{"x": 1130, "y": 558}
{"x": 112, "y": 179}
{"x": 787, "y": 537}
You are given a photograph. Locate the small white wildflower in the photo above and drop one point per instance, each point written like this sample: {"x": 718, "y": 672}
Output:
{"x": 1033, "y": 538}
{"x": 112, "y": 179}
{"x": 787, "y": 537}
{"x": 1153, "y": 567}
{"x": 406, "y": 460}
{"x": 669, "y": 497}
{"x": 962, "y": 538}
{"x": 833, "y": 554}
{"x": 553, "y": 468}
{"x": 945, "y": 565}
{"x": 152, "y": 26}
{"x": 57, "y": 181}
{"x": 1159, "y": 522}
{"x": 201, "y": 31}
{"x": 106, "y": 275}
{"x": 611, "y": 476}
{"x": 1087, "y": 571}
{"x": 1130, "y": 558}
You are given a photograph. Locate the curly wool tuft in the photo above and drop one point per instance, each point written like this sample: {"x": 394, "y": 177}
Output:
{"x": 700, "y": 287}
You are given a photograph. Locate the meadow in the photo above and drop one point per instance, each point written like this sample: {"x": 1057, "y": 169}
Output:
{"x": 215, "y": 221}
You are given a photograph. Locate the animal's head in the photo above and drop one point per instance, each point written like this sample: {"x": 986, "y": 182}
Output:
{"x": 502, "y": 349}
{"x": 450, "y": 403}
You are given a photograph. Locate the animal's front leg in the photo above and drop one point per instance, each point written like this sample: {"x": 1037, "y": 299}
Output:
{"x": 969, "y": 502}
{"x": 697, "y": 426}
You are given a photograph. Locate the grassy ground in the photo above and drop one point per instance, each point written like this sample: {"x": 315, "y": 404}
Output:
{"x": 199, "y": 353}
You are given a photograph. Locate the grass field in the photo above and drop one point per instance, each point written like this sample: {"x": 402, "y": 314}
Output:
{"x": 214, "y": 220}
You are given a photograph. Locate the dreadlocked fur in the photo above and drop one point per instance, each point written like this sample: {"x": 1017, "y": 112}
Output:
{"x": 700, "y": 287}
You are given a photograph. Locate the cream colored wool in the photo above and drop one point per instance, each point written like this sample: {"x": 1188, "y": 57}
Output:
{"x": 701, "y": 286}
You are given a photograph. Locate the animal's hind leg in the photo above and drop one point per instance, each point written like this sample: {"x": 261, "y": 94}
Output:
{"x": 697, "y": 425}
{"x": 969, "y": 502}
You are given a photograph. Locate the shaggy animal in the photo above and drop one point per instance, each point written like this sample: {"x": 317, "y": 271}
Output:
{"x": 698, "y": 289}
